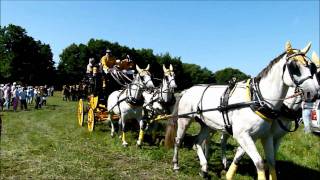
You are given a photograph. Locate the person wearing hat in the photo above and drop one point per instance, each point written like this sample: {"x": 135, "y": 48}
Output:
{"x": 107, "y": 61}
{"x": 127, "y": 65}
{"x": 90, "y": 66}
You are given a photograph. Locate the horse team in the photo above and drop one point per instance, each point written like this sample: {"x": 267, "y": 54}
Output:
{"x": 258, "y": 108}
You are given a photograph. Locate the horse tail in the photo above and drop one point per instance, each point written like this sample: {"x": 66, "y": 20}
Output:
{"x": 171, "y": 129}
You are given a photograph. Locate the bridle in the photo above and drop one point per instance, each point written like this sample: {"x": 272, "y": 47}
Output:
{"x": 142, "y": 78}
{"x": 168, "y": 88}
{"x": 288, "y": 66}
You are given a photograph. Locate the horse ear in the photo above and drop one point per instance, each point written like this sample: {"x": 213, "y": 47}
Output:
{"x": 171, "y": 67}
{"x": 289, "y": 47}
{"x": 315, "y": 59}
{"x": 138, "y": 68}
{"x": 164, "y": 68}
{"x": 306, "y": 49}
{"x": 148, "y": 67}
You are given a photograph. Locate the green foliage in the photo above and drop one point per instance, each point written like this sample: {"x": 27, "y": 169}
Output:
{"x": 224, "y": 75}
{"x": 29, "y": 61}
{"x": 24, "y": 59}
{"x": 194, "y": 74}
{"x": 74, "y": 59}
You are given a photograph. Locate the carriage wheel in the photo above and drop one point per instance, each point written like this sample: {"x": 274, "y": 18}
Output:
{"x": 90, "y": 120}
{"x": 80, "y": 112}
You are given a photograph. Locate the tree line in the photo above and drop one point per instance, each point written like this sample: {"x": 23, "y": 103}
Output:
{"x": 24, "y": 59}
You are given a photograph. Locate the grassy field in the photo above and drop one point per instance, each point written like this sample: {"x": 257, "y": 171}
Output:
{"x": 49, "y": 144}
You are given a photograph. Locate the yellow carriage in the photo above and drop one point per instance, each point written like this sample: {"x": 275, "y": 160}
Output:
{"x": 96, "y": 108}
{"x": 96, "y": 112}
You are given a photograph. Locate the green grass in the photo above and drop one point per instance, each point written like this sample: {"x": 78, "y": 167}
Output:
{"x": 49, "y": 144}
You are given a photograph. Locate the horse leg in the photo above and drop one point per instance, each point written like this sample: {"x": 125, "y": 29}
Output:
{"x": 203, "y": 138}
{"x": 111, "y": 122}
{"x": 267, "y": 144}
{"x": 278, "y": 137}
{"x": 124, "y": 142}
{"x": 183, "y": 124}
{"x": 234, "y": 165}
{"x": 223, "y": 142}
{"x": 206, "y": 145}
{"x": 120, "y": 128}
{"x": 248, "y": 145}
{"x": 141, "y": 133}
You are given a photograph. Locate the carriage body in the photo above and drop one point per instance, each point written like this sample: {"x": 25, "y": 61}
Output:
{"x": 99, "y": 86}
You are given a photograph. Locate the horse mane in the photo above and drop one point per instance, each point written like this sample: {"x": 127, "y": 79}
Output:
{"x": 266, "y": 70}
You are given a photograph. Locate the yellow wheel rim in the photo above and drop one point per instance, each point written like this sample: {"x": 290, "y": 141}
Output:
{"x": 90, "y": 120}
{"x": 95, "y": 102}
{"x": 80, "y": 112}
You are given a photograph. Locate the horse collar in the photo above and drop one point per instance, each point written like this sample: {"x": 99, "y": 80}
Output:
{"x": 261, "y": 108}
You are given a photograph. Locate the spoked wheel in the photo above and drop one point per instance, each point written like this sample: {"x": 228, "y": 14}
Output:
{"x": 90, "y": 120}
{"x": 80, "y": 112}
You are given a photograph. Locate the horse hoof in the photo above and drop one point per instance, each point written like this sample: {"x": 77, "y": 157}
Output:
{"x": 204, "y": 175}
{"x": 176, "y": 168}
{"x": 124, "y": 144}
{"x": 112, "y": 135}
{"x": 139, "y": 146}
{"x": 225, "y": 164}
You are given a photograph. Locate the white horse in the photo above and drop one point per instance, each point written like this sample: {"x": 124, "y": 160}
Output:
{"x": 291, "y": 110}
{"x": 162, "y": 100}
{"x": 128, "y": 103}
{"x": 269, "y": 88}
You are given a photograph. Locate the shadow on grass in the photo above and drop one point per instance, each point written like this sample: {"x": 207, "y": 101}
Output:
{"x": 285, "y": 170}
{"x": 51, "y": 106}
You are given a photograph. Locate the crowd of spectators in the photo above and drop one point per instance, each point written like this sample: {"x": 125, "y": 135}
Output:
{"x": 13, "y": 95}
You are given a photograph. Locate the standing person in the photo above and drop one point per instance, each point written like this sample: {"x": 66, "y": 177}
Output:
{"x": 7, "y": 96}
{"x": 23, "y": 97}
{"x": 31, "y": 91}
{"x": 15, "y": 98}
{"x": 44, "y": 95}
{"x": 1, "y": 96}
{"x": 28, "y": 95}
{"x": 41, "y": 94}
{"x": 52, "y": 91}
{"x": 37, "y": 97}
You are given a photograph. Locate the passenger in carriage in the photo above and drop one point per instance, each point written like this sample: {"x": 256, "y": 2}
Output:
{"x": 90, "y": 67}
{"x": 127, "y": 65}
{"x": 107, "y": 61}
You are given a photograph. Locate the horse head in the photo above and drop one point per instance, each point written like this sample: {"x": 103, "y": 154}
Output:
{"x": 144, "y": 76}
{"x": 315, "y": 59}
{"x": 169, "y": 77}
{"x": 298, "y": 71}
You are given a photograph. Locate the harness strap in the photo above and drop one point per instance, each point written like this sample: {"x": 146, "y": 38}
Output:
{"x": 261, "y": 108}
{"x": 224, "y": 101}
{"x": 290, "y": 115}
{"x": 296, "y": 125}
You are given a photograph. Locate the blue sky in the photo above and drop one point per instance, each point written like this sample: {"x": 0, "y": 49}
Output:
{"x": 245, "y": 35}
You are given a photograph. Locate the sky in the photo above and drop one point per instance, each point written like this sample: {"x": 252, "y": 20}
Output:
{"x": 245, "y": 35}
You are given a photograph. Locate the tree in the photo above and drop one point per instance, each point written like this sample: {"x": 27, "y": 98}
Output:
{"x": 224, "y": 75}
{"x": 74, "y": 59}
{"x": 24, "y": 59}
